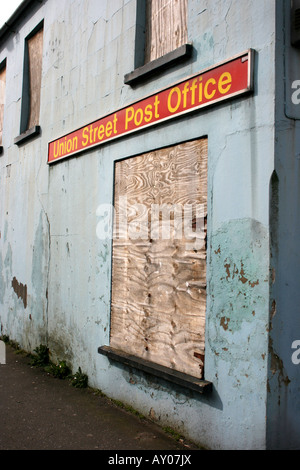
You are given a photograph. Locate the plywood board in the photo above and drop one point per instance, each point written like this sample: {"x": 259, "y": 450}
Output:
{"x": 159, "y": 261}
{"x": 166, "y": 27}
{"x": 35, "y": 54}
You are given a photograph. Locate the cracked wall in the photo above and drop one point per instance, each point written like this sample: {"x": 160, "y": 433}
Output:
{"x": 48, "y": 213}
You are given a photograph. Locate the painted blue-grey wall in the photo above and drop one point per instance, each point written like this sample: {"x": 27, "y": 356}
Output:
{"x": 49, "y": 214}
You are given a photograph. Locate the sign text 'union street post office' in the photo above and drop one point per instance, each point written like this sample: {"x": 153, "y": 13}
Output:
{"x": 218, "y": 83}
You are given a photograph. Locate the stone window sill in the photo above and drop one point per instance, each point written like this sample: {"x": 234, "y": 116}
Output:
{"x": 25, "y": 136}
{"x": 162, "y": 372}
{"x": 180, "y": 54}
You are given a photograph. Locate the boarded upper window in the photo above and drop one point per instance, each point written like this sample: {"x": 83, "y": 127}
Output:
{"x": 32, "y": 80}
{"x": 166, "y": 27}
{"x": 2, "y": 98}
{"x": 159, "y": 257}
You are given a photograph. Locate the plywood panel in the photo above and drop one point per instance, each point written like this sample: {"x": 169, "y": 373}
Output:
{"x": 166, "y": 27}
{"x": 2, "y": 99}
{"x": 35, "y": 54}
{"x": 159, "y": 270}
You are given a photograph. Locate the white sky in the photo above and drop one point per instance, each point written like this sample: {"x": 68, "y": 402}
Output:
{"x": 7, "y": 8}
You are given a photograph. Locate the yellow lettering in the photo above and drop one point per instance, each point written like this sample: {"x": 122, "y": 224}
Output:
{"x": 193, "y": 91}
{"x": 200, "y": 90}
{"x": 100, "y": 132}
{"x": 91, "y": 134}
{"x": 95, "y": 132}
{"x": 184, "y": 92}
{"x": 148, "y": 113}
{"x": 55, "y": 151}
{"x": 170, "y": 107}
{"x": 75, "y": 143}
{"x": 61, "y": 149}
{"x": 85, "y": 136}
{"x": 129, "y": 116}
{"x": 108, "y": 130}
{"x": 207, "y": 95}
{"x": 115, "y": 124}
{"x": 138, "y": 121}
{"x": 225, "y": 79}
{"x": 156, "y": 103}
{"x": 69, "y": 146}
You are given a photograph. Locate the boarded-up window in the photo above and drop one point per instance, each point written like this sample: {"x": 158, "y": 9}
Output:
{"x": 2, "y": 98}
{"x": 35, "y": 53}
{"x": 166, "y": 27}
{"x": 159, "y": 257}
{"x": 32, "y": 80}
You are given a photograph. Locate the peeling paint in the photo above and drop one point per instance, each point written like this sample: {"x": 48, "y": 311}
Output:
{"x": 20, "y": 290}
{"x": 239, "y": 296}
{"x": 236, "y": 271}
{"x": 242, "y": 277}
{"x": 224, "y": 323}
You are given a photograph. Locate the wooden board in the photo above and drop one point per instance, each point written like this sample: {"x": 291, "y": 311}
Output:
{"x": 35, "y": 54}
{"x": 166, "y": 27}
{"x": 159, "y": 276}
{"x": 2, "y": 99}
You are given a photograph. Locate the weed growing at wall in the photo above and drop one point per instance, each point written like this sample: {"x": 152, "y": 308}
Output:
{"x": 41, "y": 357}
{"x": 60, "y": 370}
{"x": 79, "y": 380}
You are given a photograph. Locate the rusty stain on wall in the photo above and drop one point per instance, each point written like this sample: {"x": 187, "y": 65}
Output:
{"x": 236, "y": 271}
{"x": 277, "y": 366}
{"x": 224, "y": 322}
{"x": 273, "y": 309}
{"x": 20, "y": 290}
{"x": 242, "y": 277}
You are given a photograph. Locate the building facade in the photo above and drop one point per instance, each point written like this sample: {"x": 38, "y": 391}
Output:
{"x": 149, "y": 221}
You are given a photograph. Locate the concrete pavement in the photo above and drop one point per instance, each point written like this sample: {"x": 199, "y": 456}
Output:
{"x": 40, "y": 412}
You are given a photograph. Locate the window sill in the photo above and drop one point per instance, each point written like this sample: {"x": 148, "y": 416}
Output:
{"x": 162, "y": 372}
{"x": 182, "y": 53}
{"x": 25, "y": 136}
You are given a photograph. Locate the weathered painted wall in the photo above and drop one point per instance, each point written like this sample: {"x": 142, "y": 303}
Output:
{"x": 49, "y": 214}
{"x": 24, "y": 255}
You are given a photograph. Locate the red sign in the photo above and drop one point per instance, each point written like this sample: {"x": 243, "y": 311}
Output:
{"x": 223, "y": 81}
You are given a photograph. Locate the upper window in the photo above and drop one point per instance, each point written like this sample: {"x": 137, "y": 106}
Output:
{"x": 166, "y": 27}
{"x": 2, "y": 96}
{"x": 161, "y": 37}
{"x": 32, "y": 80}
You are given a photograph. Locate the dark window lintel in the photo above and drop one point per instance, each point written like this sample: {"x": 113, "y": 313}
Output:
{"x": 34, "y": 131}
{"x": 170, "y": 375}
{"x": 181, "y": 53}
